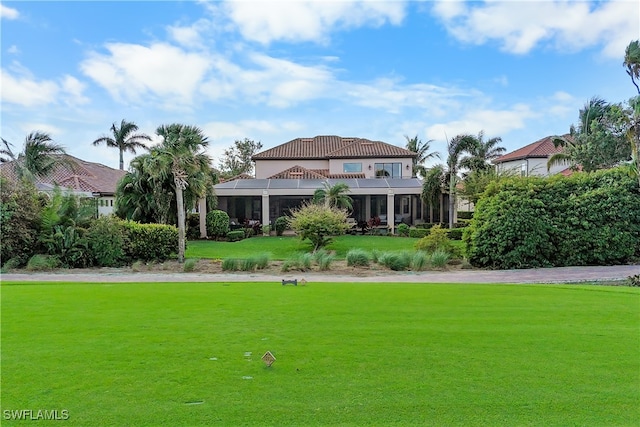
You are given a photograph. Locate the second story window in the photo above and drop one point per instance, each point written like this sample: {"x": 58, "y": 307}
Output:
{"x": 352, "y": 167}
{"x": 388, "y": 170}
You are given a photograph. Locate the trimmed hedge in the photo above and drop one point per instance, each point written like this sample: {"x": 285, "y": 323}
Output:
{"x": 465, "y": 215}
{"x": 584, "y": 219}
{"x": 282, "y": 222}
{"x": 150, "y": 242}
{"x": 418, "y": 232}
{"x": 234, "y": 236}
{"x": 217, "y": 223}
{"x": 455, "y": 233}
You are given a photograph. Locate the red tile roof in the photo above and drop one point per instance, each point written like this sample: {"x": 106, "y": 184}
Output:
{"x": 331, "y": 146}
{"x": 78, "y": 175}
{"x": 539, "y": 149}
{"x": 299, "y": 172}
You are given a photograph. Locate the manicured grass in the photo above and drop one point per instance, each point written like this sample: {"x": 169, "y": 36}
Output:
{"x": 287, "y": 247}
{"x": 347, "y": 354}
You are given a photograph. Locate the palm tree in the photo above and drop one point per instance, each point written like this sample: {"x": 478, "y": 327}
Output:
{"x": 457, "y": 146}
{"x": 632, "y": 62}
{"x": 39, "y": 157}
{"x": 594, "y": 110}
{"x": 482, "y": 152}
{"x": 334, "y": 196}
{"x": 180, "y": 155}
{"x": 124, "y": 139}
{"x": 422, "y": 149}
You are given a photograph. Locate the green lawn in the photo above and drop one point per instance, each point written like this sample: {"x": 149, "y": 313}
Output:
{"x": 347, "y": 354}
{"x": 281, "y": 248}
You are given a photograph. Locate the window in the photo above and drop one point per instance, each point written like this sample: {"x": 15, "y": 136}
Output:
{"x": 523, "y": 169}
{"x": 352, "y": 167}
{"x": 388, "y": 170}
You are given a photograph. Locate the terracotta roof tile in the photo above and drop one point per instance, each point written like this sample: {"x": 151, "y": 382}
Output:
{"x": 297, "y": 172}
{"x": 539, "y": 149}
{"x": 331, "y": 146}
{"x": 78, "y": 175}
{"x": 240, "y": 176}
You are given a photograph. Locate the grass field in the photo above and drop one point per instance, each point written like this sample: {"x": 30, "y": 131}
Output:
{"x": 188, "y": 354}
{"x": 281, "y": 248}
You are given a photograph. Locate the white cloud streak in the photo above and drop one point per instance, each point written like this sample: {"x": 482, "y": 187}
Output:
{"x": 304, "y": 21}
{"x": 8, "y": 12}
{"x": 520, "y": 27}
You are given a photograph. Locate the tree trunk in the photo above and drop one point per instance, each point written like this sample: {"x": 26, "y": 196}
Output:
{"x": 181, "y": 221}
{"x": 121, "y": 160}
{"x": 452, "y": 198}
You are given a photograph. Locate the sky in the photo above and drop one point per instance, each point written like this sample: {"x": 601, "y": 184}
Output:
{"x": 272, "y": 71}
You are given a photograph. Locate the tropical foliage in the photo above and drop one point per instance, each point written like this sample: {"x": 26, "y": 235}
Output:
{"x": 481, "y": 153}
{"x": 333, "y": 196}
{"x": 632, "y": 62}
{"x": 318, "y": 223}
{"x": 237, "y": 159}
{"x": 423, "y": 154}
{"x": 38, "y": 158}
{"x": 124, "y": 138}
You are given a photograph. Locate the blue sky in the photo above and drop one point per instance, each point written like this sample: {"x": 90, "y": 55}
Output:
{"x": 273, "y": 71}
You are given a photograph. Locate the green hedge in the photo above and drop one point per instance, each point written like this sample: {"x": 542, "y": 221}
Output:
{"x": 418, "y": 232}
{"x": 150, "y": 242}
{"x": 584, "y": 219}
{"x": 465, "y": 215}
{"x": 217, "y": 222}
{"x": 455, "y": 233}
{"x": 234, "y": 236}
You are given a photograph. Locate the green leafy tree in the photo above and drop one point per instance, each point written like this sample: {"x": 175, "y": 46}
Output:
{"x": 422, "y": 149}
{"x": 632, "y": 62}
{"x": 39, "y": 157}
{"x": 334, "y": 196}
{"x": 141, "y": 198}
{"x": 477, "y": 181}
{"x": 237, "y": 159}
{"x": 318, "y": 223}
{"x": 599, "y": 141}
{"x": 124, "y": 138}
{"x": 482, "y": 152}
{"x": 181, "y": 157}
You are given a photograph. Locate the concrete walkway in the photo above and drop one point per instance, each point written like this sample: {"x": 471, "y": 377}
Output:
{"x": 538, "y": 275}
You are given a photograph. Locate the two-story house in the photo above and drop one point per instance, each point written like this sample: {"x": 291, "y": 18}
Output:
{"x": 379, "y": 176}
{"x": 531, "y": 160}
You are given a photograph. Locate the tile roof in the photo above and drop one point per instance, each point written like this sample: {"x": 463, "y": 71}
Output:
{"x": 78, "y": 175}
{"x": 299, "y": 172}
{"x": 241, "y": 176}
{"x": 331, "y": 146}
{"x": 539, "y": 149}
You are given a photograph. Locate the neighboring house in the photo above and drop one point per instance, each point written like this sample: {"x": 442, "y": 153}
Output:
{"x": 532, "y": 159}
{"x": 378, "y": 175}
{"x": 78, "y": 177}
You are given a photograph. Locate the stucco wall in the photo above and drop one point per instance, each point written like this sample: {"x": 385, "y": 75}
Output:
{"x": 336, "y": 165}
{"x": 267, "y": 168}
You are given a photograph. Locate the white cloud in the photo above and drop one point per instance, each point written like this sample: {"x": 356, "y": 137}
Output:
{"x": 26, "y": 90}
{"x": 74, "y": 89}
{"x": 299, "y": 21}
{"x": 189, "y": 36}
{"x": 28, "y": 127}
{"x": 13, "y": 49}
{"x": 492, "y": 122}
{"x": 131, "y": 72}
{"x": 8, "y": 12}
{"x": 522, "y": 26}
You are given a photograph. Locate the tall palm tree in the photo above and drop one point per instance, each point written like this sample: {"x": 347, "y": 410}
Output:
{"x": 124, "y": 138}
{"x": 180, "y": 155}
{"x": 39, "y": 157}
{"x": 593, "y": 110}
{"x": 334, "y": 196}
{"x": 482, "y": 152}
{"x": 632, "y": 62}
{"x": 422, "y": 149}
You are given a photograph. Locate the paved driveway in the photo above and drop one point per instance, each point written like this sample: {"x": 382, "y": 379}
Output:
{"x": 537, "y": 275}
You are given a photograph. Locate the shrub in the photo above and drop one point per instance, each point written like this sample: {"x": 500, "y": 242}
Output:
{"x": 217, "y": 223}
{"x": 375, "y": 256}
{"x": 465, "y": 215}
{"x": 150, "y": 242}
{"x": 10, "y": 265}
{"x": 436, "y": 240}
{"x": 318, "y": 223}
{"x": 69, "y": 245}
{"x": 193, "y": 226}
{"x": 230, "y": 264}
{"x": 455, "y": 233}
{"x": 249, "y": 232}
{"x": 234, "y": 236}
{"x": 634, "y": 280}
{"x": 439, "y": 258}
{"x": 266, "y": 230}
{"x": 262, "y": 261}
{"x": 248, "y": 264}
{"x": 419, "y": 261}
{"x": 584, "y": 219}
{"x": 190, "y": 265}
{"x": 20, "y": 209}
{"x": 41, "y": 262}
{"x": 106, "y": 240}
{"x": 403, "y": 230}
{"x": 282, "y": 223}
{"x": 418, "y": 232}
{"x": 394, "y": 261}
{"x": 324, "y": 260}
{"x": 358, "y": 258}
